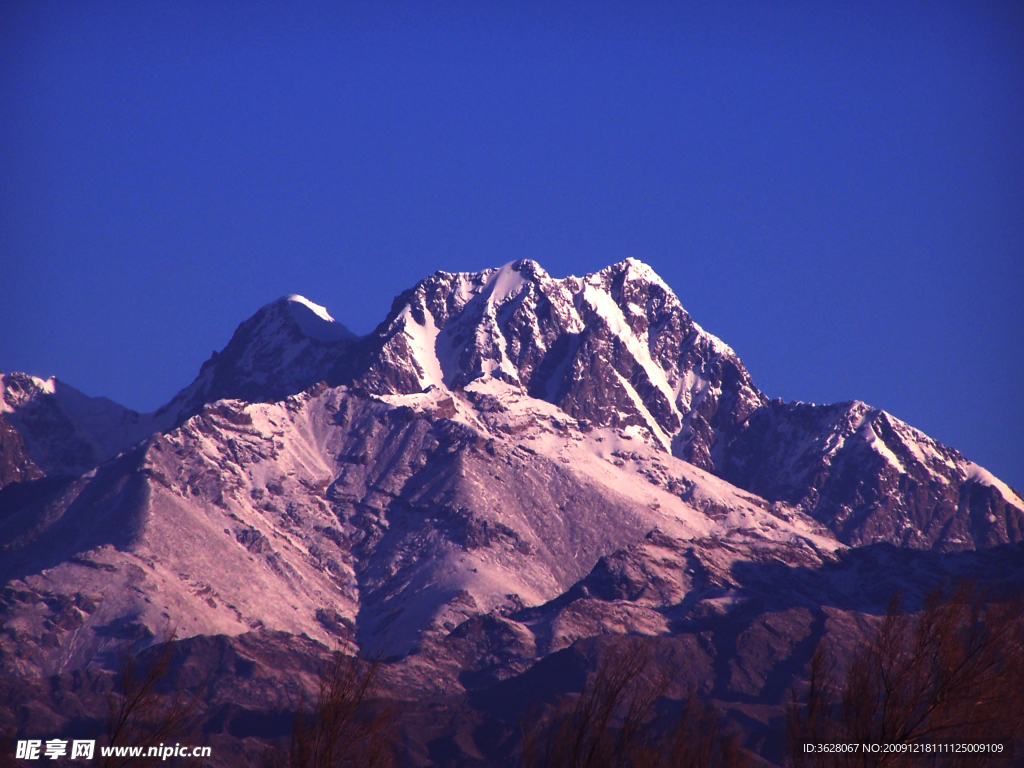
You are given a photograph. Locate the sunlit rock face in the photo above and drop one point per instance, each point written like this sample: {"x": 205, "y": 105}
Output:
{"x": 615, "y": 348}
{"x": 870, "y": 477}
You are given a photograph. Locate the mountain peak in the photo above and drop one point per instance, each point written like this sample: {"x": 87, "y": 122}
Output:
{"x": 65, "y": 431}
{"x": 19, "y": 388}
{"x": 614, "y": 347}
{"x": 635, "y": 269}
{"x": 287, "y": 346}
{"x": 318, "y": 310}
{"x": 312, "y": 319}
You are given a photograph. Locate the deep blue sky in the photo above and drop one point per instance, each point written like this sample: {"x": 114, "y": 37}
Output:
{"x": 836, "y": 190}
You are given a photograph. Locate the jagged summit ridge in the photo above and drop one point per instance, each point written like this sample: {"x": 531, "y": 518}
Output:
{"x": 614, "y": 347}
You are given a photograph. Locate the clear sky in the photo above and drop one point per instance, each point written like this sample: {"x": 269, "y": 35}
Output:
{"x": 835, "y": 189}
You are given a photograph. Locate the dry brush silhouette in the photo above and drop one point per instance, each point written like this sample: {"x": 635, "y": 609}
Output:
{"x": 612, "y": 723}
{"x": 347, "y": 727}
{"x": 953, "y": 673}
{"x": 142, "y": 714}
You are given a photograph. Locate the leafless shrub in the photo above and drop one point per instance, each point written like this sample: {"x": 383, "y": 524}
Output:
{"x": 697, "y": 740}
{"x": 812, "y": 721}
{"x": 141, "y": 715}
{"x": 611, "y": 724}
{"x": 346, "y": 727}
{"x": 952, "y": 674}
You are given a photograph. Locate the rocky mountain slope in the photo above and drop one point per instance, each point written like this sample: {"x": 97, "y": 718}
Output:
{"x": 511, "y": 468}
{"x": 871, "y": 477}
{"x": 376, "y": 521}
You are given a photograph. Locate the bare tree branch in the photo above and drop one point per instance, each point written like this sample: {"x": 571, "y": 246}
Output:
{"x": 347, "y": 727}
{"x": 612, "y": 724}
{"x": 141, "y": 715}
{"x": 952, "y": 673}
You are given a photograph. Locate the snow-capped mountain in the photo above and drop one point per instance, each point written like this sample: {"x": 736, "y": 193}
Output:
{"x": 286, "y": 347}
{"x": 871, "y": 477}
{"x": 510, "y": 469}
{"x": 615, "y": 348}
{"x": 51, "y": 428}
